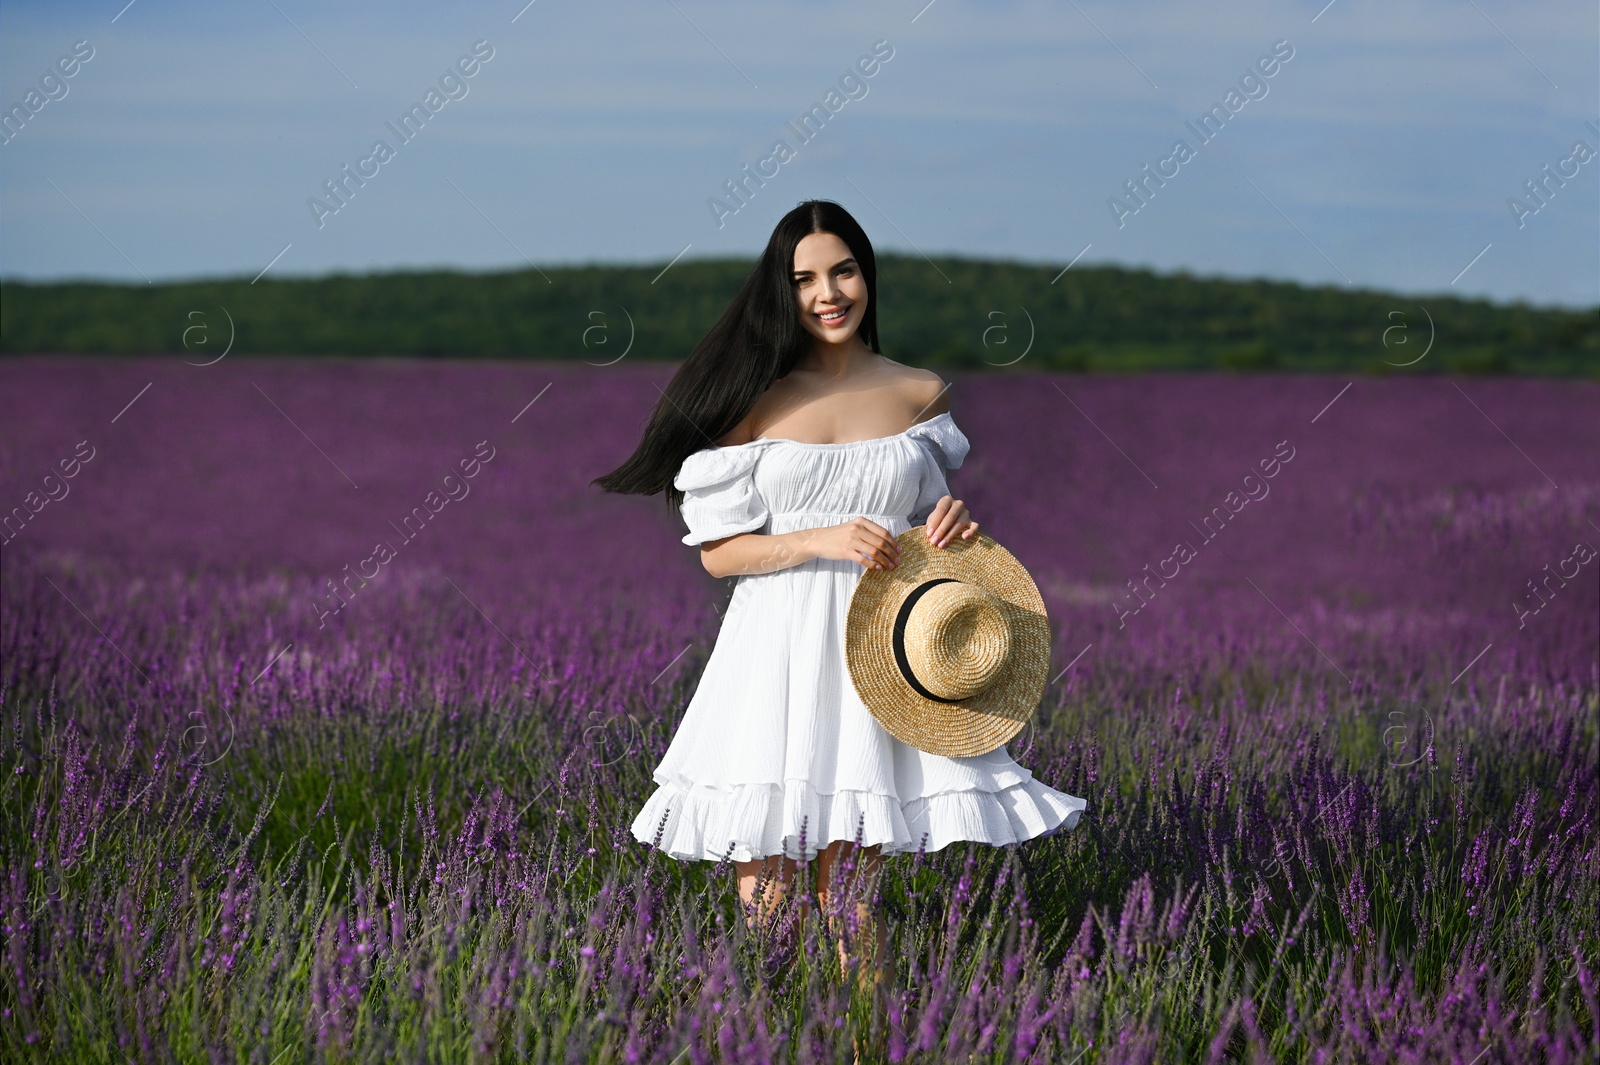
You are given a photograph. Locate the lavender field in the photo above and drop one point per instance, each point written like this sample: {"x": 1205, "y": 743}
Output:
{"x": 1336, "y": 725}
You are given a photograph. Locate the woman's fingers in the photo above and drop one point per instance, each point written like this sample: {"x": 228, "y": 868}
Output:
{"x": 886, "y": 551}
{"x": 949, "y": 518}
{"x": 876, "y": 546}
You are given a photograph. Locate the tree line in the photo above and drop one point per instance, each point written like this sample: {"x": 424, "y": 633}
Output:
{"x": 946, "y": 312}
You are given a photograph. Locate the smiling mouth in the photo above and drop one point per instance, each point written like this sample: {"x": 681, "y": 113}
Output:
{"x": 834, "y": 317}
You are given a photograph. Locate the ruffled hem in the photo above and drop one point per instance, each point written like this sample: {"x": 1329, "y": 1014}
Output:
{"x": 756, "y": 820}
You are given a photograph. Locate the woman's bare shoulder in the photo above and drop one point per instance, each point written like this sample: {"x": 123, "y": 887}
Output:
{"x": 925, "y": 390}
{"x": 783, "y": 395}
{"x": 739, "y": 434}
{"x": 911, "y": 374}
{"x": 760, "y": 412}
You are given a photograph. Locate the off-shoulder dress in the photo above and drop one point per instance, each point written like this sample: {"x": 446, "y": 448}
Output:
{"x": 775, "y": 739}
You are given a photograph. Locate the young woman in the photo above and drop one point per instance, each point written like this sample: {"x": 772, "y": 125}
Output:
{"x": 797, "y": 454}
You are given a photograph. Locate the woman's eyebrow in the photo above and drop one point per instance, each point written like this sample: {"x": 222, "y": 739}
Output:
{"x": 835, "y": 266}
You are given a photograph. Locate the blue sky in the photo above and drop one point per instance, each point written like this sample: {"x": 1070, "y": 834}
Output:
{"x": 1383, "y": 154}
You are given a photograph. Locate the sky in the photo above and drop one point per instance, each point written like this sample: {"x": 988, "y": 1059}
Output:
{"x": 1391, "y": 147}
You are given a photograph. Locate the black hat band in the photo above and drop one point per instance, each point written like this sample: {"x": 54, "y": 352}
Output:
{"x": 900, "y": 640}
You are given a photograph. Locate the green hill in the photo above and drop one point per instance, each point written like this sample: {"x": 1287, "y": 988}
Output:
{"x": 954, "y": 313}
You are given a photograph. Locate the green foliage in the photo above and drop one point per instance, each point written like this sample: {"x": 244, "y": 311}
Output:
{"x": 948, "y": 313}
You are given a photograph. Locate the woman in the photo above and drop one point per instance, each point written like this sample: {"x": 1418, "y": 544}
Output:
{"x": 799, "y": 454}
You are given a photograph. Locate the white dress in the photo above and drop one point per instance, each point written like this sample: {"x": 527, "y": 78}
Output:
{"x": 775, "y": 736}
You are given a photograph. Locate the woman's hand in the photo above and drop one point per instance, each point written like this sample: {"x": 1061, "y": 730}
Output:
{"x": 857, "y": 540}
{"x": 950, "y": 518}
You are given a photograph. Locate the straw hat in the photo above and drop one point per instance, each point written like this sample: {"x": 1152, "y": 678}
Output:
{"x": 950, "y": 649}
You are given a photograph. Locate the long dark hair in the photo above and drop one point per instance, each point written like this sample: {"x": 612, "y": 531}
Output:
{"x": 758, "y": 340}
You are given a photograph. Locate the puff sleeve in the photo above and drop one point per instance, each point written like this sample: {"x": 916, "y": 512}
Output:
{"x": 944, "y": 447}
{"x": 719, "y": 493}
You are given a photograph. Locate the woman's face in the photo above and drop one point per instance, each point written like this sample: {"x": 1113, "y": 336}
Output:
{"x": 829, "y": 290}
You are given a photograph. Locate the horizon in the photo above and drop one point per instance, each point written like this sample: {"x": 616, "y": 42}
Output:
{"x": 498, "y": 271}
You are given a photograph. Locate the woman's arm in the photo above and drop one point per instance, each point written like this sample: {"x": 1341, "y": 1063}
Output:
{"x": 754, "y": 553}
{"x": 859, "y": 540}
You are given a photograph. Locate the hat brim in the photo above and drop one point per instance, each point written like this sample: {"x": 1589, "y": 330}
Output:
{"x": 971, "y": 726}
